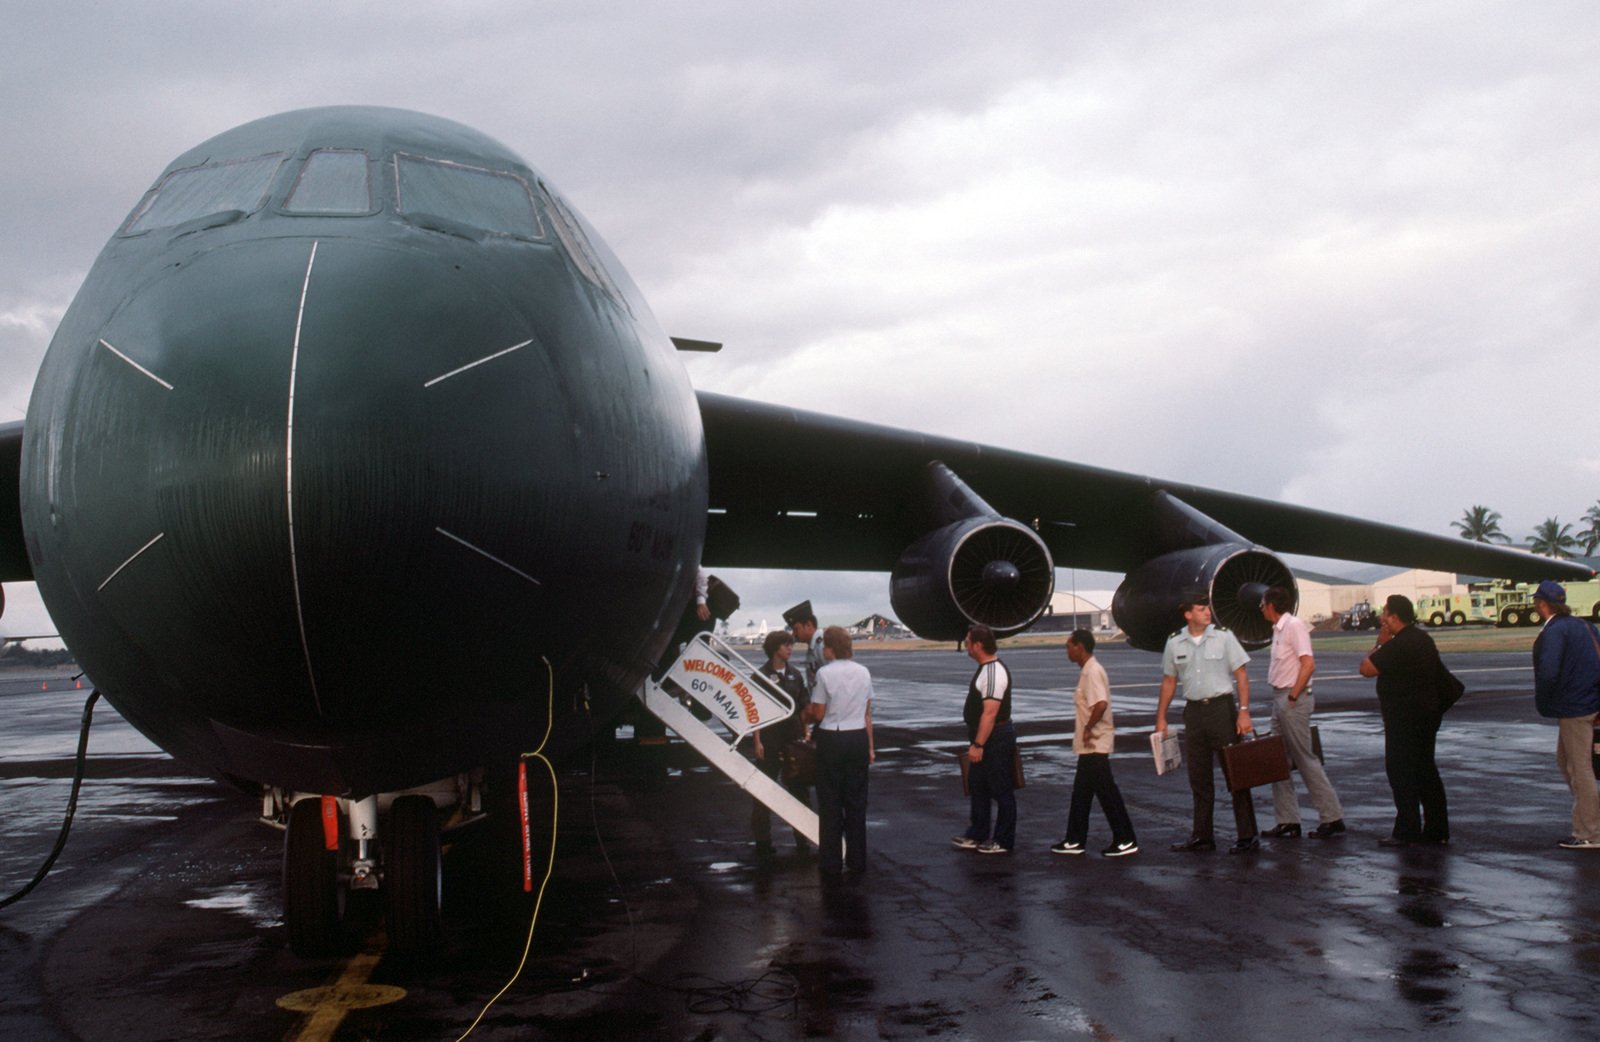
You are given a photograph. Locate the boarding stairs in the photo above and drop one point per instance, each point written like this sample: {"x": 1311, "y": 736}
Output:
{"x": 741, "y": 702}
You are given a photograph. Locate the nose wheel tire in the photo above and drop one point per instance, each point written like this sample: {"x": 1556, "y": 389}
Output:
{"x": 313, "y": 900}
{"x": 413, "y": 879}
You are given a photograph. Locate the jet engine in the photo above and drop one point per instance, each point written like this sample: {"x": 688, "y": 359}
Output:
{"x": 988, "y": 570}
{"x": 1234, "y": 576}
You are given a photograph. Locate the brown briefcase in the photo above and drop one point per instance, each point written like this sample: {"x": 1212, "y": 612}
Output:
{"x": 1256, "y": 761}
{"x": 964, "y": 757}
{"x": 799, "y": 759}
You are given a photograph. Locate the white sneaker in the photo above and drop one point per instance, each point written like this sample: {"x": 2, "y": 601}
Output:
{"x": 992, "y": 847}
{"x": 1574, "y": 843}
{"x": 963, "y": 842}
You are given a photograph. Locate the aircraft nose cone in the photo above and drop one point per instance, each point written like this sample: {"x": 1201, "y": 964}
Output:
{"x": 289, "y": 446}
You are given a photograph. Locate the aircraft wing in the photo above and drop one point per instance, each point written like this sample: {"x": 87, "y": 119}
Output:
{"x": 14, "y": 566}
{"x": 794, "y": 489}
{"x": 773, "y": 468}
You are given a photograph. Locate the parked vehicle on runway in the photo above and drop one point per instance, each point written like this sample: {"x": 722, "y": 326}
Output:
{"x": 1511, "y": 604}
{"x": 1448, "y": 609}
{"x": 1359, "y": 616}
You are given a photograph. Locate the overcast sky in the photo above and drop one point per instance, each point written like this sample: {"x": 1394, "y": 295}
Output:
{"x": 1339, "y": 254}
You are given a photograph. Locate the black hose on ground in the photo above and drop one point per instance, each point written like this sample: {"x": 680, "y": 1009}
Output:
{"x": 72, "y": 804}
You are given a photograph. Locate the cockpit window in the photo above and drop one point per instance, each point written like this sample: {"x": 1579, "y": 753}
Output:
{"x": 200, "y": 191}
{"x": 578, "y": 248}
{"x": 332, "y": 181}
{"x": 486, "y": 199}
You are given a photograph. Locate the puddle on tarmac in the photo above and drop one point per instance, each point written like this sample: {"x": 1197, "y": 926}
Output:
{"x": 246, "y": 901}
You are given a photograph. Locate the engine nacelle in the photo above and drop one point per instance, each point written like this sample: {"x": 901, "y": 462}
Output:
{"x": 987, "y": 570}
{"x": 1232, "y": 575}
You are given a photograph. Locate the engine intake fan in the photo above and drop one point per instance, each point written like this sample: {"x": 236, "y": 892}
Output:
{"x": 1233, "y": 576}
{"x": 992, "y": 570}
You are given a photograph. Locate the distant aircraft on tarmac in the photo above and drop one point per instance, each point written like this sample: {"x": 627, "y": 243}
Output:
{"x": 9, "y": 642}
{"x": 352, "y": 382}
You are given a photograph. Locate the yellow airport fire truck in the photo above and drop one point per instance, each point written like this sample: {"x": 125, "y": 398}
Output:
{"x": 1503, "y": 603}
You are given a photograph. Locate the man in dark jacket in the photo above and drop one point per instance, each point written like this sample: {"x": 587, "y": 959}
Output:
{"x": 1566, "y": 687}
{"x": 1406, "y": 664}
{"x": 770, "y": 742}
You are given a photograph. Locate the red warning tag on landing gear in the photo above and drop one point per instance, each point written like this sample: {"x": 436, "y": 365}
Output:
{"x": 330, "y": 822}
{"x": 527, "y": 840}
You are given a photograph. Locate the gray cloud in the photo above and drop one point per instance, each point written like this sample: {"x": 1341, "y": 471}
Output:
{"x": 1340, "y": 255}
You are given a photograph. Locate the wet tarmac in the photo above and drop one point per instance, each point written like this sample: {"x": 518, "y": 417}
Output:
{"x": 161, "y": 920}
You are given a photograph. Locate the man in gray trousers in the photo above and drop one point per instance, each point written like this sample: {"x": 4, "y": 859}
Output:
{"x": 1289, "y": 674}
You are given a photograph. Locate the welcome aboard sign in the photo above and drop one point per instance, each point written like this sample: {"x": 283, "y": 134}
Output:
{"x": 720, "y": 679}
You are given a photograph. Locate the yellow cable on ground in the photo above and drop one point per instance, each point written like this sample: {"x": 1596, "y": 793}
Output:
{"x": 550, "y": 862}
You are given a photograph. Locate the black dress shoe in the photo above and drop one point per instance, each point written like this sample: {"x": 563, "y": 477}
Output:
{"x": 1286, "y": 832}
{"x": 1246, "y": 846}
{"x": 1194, "y": 844}
{"x": 1328, "y": 828}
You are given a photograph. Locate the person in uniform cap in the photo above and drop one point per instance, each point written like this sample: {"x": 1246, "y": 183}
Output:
{"x": 802, "y": 622}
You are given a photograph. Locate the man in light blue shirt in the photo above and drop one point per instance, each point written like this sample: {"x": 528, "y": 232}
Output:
{"x": 802, "y": 622}
{"x": 1209, "y": 661}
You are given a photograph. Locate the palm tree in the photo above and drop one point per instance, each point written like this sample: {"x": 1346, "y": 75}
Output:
{"x": 1553, "y": 539}
{"x": 1590, "y": 537}
{"x": 1482, "y": 525}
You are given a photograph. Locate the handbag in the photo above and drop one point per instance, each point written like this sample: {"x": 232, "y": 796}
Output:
{"x": 1447, "y": 687}
{"x": 1258, "y": 761}
{"x": 798, "y": 759}
{"x": 965, "y": 758}
{"x": 720, "y": 599}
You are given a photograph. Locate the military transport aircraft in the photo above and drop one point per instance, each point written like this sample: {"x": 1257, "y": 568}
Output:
{"x": 349, "y": 382}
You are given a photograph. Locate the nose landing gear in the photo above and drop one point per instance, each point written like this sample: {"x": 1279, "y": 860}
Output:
{"x": 329, "y": 854}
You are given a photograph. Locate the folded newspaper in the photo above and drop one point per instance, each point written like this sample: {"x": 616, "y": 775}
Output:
{"x": 1164, "y": 746}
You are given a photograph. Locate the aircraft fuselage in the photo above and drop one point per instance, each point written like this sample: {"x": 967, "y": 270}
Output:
{"x": 378, "y": 424}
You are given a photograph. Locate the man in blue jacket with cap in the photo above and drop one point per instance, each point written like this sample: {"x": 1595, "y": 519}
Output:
{"x": 1566, "y": 686}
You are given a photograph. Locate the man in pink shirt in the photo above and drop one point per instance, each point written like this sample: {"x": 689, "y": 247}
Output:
{"x": 1289, "y": 674}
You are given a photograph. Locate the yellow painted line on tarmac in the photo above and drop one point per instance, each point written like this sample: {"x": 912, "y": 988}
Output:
{"x": 327, "y": 1006}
